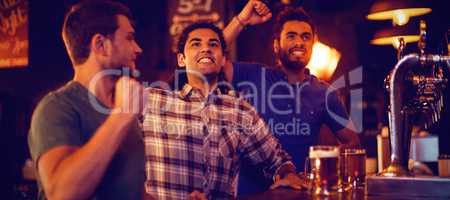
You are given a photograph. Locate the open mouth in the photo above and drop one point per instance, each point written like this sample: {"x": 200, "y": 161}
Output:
{"x": 297, "y": 51}
{"x": 206, "y": 60}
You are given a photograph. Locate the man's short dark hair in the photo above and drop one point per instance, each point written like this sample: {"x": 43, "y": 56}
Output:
{"x": 86, "y": 19}
{"x": 291, "y": 14}
{"x": 192, "y": 27}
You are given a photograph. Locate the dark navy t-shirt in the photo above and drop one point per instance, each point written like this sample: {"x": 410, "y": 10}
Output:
{"x": 293, "y": 112}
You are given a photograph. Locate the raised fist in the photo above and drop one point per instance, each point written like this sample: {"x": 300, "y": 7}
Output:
{"x": 254, "y": 12}
{"x": 128, "y": 97}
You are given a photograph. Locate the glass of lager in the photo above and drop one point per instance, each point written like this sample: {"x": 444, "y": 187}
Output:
{"x": 353, "y": 168}
{"x": 324, "y": 161}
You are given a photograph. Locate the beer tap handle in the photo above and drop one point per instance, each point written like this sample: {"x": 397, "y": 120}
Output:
{"x": 435, "y": 115}
{"x": 430, "y": 114}
{"x": 440, "y": 106}
{"x": 423, "y": 37}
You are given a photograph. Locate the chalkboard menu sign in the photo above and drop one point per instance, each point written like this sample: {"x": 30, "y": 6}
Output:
{"x": 13, "y": 33}
{"x": 184, "y": 12}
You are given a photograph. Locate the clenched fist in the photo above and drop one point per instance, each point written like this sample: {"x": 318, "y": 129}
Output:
{"x": 128, "y": 97}
{"x": 254, "y": 12}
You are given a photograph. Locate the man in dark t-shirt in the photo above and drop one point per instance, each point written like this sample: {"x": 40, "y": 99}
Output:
{"x": 293, "y": 111}
{"x": 293, "y": 102}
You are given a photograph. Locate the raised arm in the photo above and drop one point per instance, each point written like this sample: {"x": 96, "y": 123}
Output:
{"x": 254, "y": 12}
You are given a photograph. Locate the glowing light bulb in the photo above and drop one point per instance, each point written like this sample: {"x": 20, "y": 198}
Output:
{"x": 395, "y": 42}
{"x": 324, "y": 60}
{"x": 400, "y": 18}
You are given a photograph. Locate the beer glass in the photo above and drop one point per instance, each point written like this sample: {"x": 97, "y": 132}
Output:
{"x": 353, "y": 168}
{"x": 324, "y": 162}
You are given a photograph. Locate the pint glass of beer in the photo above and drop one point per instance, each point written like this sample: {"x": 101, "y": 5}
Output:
{"x": 324, "y": 161}
{"x": 353, "y": 168}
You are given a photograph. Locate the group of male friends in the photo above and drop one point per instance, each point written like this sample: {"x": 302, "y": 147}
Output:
{"x": 194, "y": 143}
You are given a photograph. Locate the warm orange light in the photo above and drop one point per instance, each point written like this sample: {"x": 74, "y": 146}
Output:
{"x": 410, "y": 12}
{"x": 394, "y": 40}
{"x": 448, "y": 49}
{"x": 400, "y": 16}
{"x": 323, "y": 61}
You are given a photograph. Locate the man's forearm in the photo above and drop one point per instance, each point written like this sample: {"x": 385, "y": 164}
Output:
{"x": 78, "y": 175}
{"x": 348, "y": 137}
{"x": 232, "y": 30}
{"x": 254, "y": 12}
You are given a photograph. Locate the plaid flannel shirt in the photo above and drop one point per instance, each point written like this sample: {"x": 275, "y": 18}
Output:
{"x": 193, "y": 142}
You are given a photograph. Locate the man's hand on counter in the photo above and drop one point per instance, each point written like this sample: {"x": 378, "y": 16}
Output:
{"x": 291, "y": 180}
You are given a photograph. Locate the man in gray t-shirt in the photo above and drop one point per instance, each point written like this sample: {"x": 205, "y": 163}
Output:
{"x": 85, "y": 139}
{"x": 66, "y": 117}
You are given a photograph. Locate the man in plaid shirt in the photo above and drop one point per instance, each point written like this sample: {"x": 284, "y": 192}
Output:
{"x": 196, "y": 138}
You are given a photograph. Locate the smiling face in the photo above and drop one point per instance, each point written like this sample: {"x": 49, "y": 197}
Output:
{"x": 124, "y": 47}
{"x": 294, "y": 48}
{"x": 203, "y": 53}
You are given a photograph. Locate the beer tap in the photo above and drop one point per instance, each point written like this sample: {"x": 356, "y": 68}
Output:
{"x": 413, "y": 91}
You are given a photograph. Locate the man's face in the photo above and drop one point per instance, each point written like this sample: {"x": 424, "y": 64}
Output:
{"x": 295, "y": 44}
{"x": 202, "y": 53}
{"x": 124, "y": 47}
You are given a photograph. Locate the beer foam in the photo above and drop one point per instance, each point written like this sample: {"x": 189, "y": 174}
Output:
{"x": 323, "y": 154}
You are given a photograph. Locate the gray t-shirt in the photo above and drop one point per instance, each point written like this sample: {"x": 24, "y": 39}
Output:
{"x": 66, "y": 117}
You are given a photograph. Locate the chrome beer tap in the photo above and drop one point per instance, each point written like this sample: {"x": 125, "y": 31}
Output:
{"x": 415, "y": 88}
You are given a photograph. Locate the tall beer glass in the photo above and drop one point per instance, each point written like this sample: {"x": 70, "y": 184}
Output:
{"x": 353, "y": 168}
{"x": 324, "y": 161}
